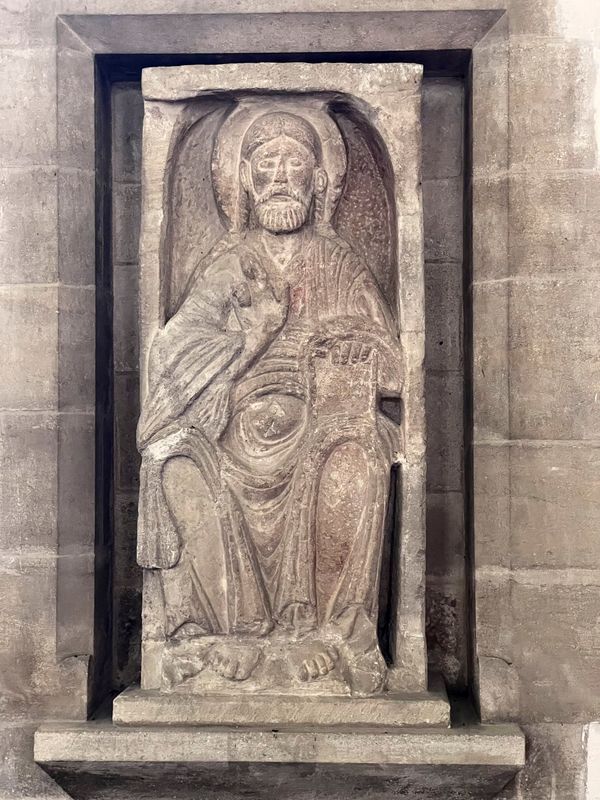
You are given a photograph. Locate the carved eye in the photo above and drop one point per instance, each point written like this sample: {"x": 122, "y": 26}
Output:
{"x": 266, "y": 164}
{"x": 295, "y": 163}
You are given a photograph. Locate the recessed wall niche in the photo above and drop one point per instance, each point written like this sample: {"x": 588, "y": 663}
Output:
{"x": 443, "y": 167}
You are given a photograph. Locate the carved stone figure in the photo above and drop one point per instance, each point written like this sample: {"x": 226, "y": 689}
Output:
{"x": 267, "y": 438}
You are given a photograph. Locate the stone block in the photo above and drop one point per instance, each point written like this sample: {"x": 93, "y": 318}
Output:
{"x": 77, "y": 346}
{"x": 76, "y": 226}
{"x": 565, "y": 19}
{"x": 490, "y": 229}
{"x": 442, "y": 118}
{"x": 490, "y": 361}
{"x": 29, "y": 343}
{"x": 388, "y": 712}
{"x": 491, "y": 505}
{"x": 499, "y": 689}
{"x": 443, "y": 316}
{"x": 126, "y": 417}
{"x": 75, "y": 605}
{"x": 490, "y": 104}
{"x": 76, "y": 489}
{"x": 554, "y": 359}
{"x": 20, "y": 777}
{"x": 555, "y": 765}
{"x": 28, "y": 453}
{"x": 445, "y": 534}
{"x": 126, "y": 222}
{"x": 443, "y": 396}
{"x": 27, "y": 23}
{"x": 493, "y": 616}
{"x": 28, "y": 112}
{"x": 127, "y": 118}
{"x": 553, "y": 222}
{"x": 125, "y": 318}
{"x": 28, "y": 251}
{"x": 76, "y": 120}
{"x": 555, "y": 646}
{"x": 443, "y": 219}
{"x": 555, "y": 515}
{"x": 33, "y": 684}
{"x": 552, "y": 86}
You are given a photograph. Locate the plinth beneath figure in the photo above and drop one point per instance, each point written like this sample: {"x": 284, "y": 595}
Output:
{"x": 389, "y": 711}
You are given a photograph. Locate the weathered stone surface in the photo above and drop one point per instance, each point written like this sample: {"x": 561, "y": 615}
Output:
{"x": 557, "y": 615}
{"x": 20, "y": 776}
{"x": 443, "y": 309}
{"x": 554, "y": 224}
{"x": 491, "y": 505}
{"x": 502, "y": 745}
{"x": 32, "y": 683}
{"x": 28, "y": 112}
{"x": 28, "y": 239}
{"x": 76, "y": 208}
{"x": 28, "y": 456}
{"x": 390, "y": 711}
{"x": 443, "y": 239}
{"x": 491, "y": 409}
{"x": 260, "y": 453}
{"x": 554, "y": 360}
{"x": 554, "y": 768}
{"x": 447, "y": 629}
{"x": 443, "y": 394}
{"x": 442, "y": 118}
{"x": 126, "y": 222}
{"x": 127, "y": 117}
{"x": 554, "y": 505}
{"x": 125, "y": 318}
{"x": 546, "y": 76}
{"x": 29, "y": 343}
{"x": 490, "y": 228}
{"x": 77, "y": 347}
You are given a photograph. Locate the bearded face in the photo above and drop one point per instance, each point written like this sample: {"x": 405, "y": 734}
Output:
{"x": 281, "y": 184}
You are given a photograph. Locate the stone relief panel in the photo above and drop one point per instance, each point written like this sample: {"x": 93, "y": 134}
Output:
{"x": 281, "y": 395}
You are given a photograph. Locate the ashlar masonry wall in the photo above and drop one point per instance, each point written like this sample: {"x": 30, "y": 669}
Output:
{"x": 536, "y": 377}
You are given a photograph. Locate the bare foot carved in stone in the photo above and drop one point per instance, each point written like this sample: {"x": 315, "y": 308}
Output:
{"x": 233, "y": 661}
{"x": 320, "y": 662}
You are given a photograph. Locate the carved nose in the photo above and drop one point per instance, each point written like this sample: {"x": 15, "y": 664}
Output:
{"x": 280, "y": 173}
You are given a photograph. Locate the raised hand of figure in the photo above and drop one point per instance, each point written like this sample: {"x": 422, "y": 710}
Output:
{"x": 257, "y": 305}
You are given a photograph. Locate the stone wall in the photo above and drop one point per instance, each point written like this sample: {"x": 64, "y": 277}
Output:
{"x": 536, "y": 552}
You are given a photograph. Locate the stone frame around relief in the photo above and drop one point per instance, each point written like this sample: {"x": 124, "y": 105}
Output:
{"x": 81, "y": 82}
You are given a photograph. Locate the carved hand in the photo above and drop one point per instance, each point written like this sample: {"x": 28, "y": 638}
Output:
{"x": 260, "y": 312}
{"x": 343, "y": 350}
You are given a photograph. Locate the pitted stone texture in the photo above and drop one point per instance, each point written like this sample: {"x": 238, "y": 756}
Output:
{"x": 137, "y": 707}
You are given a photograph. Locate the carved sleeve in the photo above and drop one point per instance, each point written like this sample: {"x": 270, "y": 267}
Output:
{"x": 189, "y": 355}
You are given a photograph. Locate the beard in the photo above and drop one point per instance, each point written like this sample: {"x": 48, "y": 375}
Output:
{"x": 281, "y": 214}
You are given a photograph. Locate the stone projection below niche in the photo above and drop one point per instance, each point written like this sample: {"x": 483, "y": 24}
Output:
{"x": 281, "y": 432}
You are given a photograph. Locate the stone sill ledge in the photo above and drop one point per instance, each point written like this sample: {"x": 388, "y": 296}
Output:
{"x": 473, "y": 761}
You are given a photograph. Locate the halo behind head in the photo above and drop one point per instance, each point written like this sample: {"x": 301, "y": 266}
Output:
{"x": 316, "y": 125}
{"x": 281, "y": 123}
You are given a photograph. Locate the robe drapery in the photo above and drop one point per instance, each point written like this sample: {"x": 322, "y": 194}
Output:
{"x": 260, "y": 436}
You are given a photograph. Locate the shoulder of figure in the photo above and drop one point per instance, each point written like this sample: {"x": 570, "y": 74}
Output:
{"x": 222, "y": 261}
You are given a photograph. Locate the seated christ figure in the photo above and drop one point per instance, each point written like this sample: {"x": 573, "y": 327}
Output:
{"x": 266, "y": 457}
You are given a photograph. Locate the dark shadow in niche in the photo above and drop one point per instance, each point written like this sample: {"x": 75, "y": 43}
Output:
{"x": 117, "y": 68}
{"x": 388, "y": 590}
